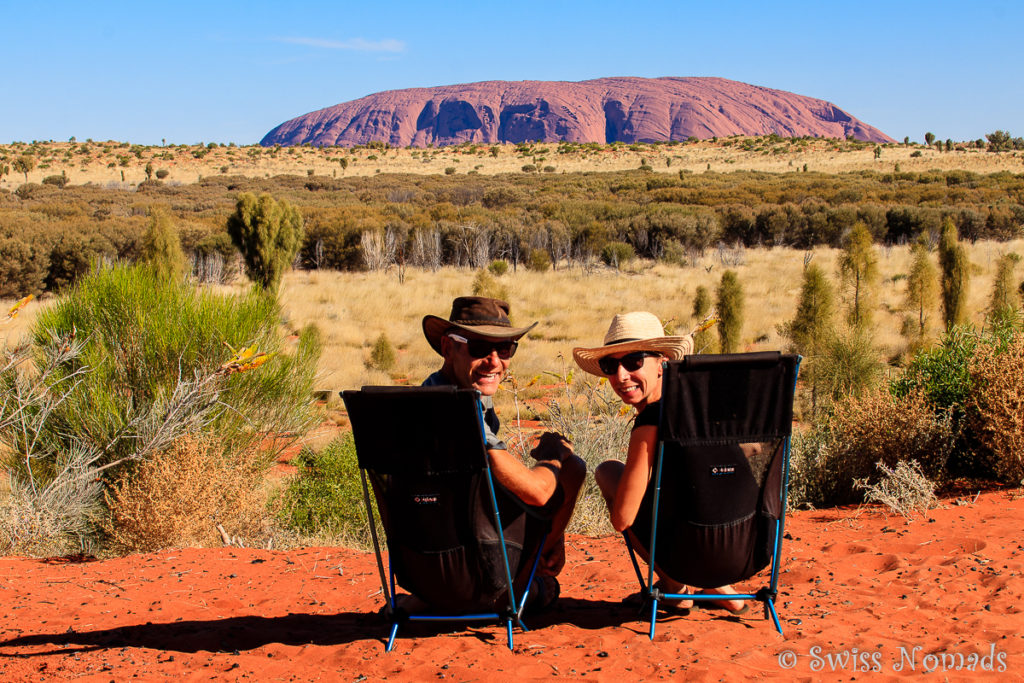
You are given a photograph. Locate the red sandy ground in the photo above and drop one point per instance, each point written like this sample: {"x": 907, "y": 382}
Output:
{"x": 857, "y": 583}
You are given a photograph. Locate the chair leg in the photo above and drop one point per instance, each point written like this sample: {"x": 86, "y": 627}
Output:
{"x": 391, "y": 637}
{"x": 508, "y": 627}
{"x": 769, "y": 605}
{"x": 654, "y": 615}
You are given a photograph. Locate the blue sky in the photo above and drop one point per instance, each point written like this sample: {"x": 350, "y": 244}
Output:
{"x": 215, "y": 71}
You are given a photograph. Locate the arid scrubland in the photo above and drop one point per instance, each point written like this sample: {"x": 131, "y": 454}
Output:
{"x": 115, "y": 164}
{"x": 640, "y": 227}
{"x": 574, "y": 307}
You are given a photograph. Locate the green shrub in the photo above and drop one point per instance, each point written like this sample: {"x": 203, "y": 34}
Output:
{"x": 56, "y": 180}
{"x": 161, "y": 246}
{"x": 155, "y": 350}
{"x": 326, "y": 496}
{"x": 268, "y": 233}
{"x": 162, "y": 173}
{"x": 382, "y": 355}
{"x": 498, "y": 267}
{"x": 539, "y": 260}
{"x": 485, "y": 284}
{"x": 730, "y": 312}
{"x": 617, "y": 254}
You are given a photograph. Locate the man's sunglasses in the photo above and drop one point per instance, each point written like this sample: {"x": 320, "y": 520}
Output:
{"x": 478, "y": 348}
{"x": 631, "y": 362}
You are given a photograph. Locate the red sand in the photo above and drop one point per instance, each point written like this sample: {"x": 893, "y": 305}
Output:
{"x": 857, "y": 583}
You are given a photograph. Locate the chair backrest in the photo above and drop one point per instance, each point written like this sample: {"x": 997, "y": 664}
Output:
{"x": 724, "y": 436}
{"x": 423, "y": 449}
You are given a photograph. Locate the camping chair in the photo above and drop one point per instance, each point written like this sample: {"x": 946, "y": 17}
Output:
{"x": 422, "y": 448}
{"x": 720, "y": 475}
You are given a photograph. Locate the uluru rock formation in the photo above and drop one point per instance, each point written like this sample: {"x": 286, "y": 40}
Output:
{"x": 603, "y": 110}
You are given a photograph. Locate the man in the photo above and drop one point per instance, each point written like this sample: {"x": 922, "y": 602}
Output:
{"x": 477, "y": 343}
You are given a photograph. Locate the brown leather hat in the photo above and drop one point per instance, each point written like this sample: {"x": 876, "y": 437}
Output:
{"x": 475, "y": 316}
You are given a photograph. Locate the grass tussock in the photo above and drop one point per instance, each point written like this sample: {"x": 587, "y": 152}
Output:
{"x": 178, "y": 497}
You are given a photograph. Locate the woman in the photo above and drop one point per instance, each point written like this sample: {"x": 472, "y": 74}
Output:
{"x": 631, "y": 359}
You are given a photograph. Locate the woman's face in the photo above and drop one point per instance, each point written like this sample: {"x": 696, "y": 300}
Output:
{"x": 637, "y": 387}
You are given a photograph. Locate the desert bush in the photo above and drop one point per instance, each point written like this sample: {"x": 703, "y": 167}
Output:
{"x": 844, "y": 446}
{"x": 23, "y": 267}
{"x": 955, "y": 276}
{"x": 498, "y": 267}
{"x": 1004, "y": 303}
{"x": 382, "y": 355}
{"x": 617, "y": 254}
{"x": 539, "y": 260}
{"x": 325, "y": 498}
{"x": 157, "y": 352}
{"x": 848, "y": 364}
{"x": 161, "y": 246}
{"x": 52, "y": 497}
{"x": 179, "y": 496}
{"x": 904, "y": 489}
{"x": 162, "y": 173}
{"x": 485, "y": 284}
{"x": 56, "y": 180}
{"x": 730, "y": 312}
{"x": 995, "y": 409}
{"x": 704, "y": 341}
{"x": 268, "y": 233}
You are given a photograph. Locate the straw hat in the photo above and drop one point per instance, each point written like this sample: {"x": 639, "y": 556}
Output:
{"x": 636, "y": 331}
{"x": 476, "y": 316}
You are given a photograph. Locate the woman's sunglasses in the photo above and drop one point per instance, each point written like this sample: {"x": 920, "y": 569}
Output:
{"x": 631, "y": 362}
{"x": 478, "y": 348}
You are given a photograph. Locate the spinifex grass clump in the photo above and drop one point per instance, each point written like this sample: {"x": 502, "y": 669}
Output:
{"x": 589, "y": 414}
{"x": 129, "y": 362}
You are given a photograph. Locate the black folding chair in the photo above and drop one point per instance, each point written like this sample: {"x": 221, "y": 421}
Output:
{"x": 423, "y": 450}
{"x": 720, "y": 476}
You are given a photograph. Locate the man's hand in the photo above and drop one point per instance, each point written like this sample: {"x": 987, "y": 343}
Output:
{"x": 551, "y": 446}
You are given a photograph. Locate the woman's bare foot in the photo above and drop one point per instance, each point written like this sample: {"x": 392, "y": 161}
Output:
{"x": 673, "y": 587}
{"x": 734, "y": 606}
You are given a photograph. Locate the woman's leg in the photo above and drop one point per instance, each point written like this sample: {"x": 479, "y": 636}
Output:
{"x": 608, "y": 475}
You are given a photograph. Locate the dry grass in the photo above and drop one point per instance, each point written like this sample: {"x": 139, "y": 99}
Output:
{"x": 105, "y": 162}
{"x": 574, "y": 308}
{"x": 178, "y": 498}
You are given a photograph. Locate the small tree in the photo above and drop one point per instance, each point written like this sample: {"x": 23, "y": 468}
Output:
{"x": 268, "y": 233}
{"x": 858, "y": 268}
{"x": 24, "y": 164}
{"x": 922, "y": 285}
{"x": 813, "y": 327}
{"x": 955, "y": 276}
{"x": 929, "y": 138}
{"x": 1005, "y": 301}
{"x": 149, "y": 170}
{"x": 730, "y": 310}
{"x": 161, "y": 246}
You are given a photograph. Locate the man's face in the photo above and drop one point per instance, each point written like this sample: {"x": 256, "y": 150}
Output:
{"x": 483, "y": 374}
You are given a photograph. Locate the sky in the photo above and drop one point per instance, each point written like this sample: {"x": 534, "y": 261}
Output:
{"x": 187, "y": 72}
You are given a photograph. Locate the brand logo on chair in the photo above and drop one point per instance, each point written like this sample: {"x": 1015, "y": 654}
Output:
{"x": 425, "y": 499}
{"x": 719, "y": 470}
